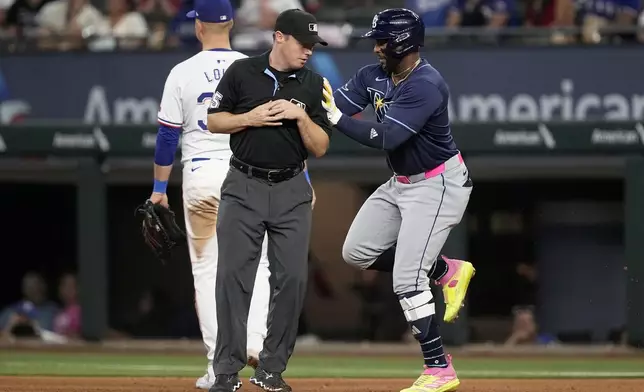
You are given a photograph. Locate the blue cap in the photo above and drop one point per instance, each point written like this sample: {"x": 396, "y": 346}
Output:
{"x": 212, "y": 11}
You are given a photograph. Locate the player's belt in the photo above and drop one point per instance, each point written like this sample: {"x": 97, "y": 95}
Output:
{"x": 438, "y": 170}
{"x": 270, "y": 175}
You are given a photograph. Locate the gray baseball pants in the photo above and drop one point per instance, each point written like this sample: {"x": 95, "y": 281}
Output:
{"x": 249, "y": 208}
{"x": 418, "y": 216}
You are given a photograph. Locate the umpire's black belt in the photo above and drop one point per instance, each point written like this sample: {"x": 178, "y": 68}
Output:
{"x": 270, "y": 175}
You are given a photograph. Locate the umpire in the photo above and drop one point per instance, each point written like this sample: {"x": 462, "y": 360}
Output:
{"x": 271, "y": 105}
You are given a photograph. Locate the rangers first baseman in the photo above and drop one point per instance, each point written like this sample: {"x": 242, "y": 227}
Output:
{"x": 188, "y": 90}
{"x": 428, "y": 192}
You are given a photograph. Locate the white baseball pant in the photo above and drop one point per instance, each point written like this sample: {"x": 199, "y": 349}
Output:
{"x": 202, "y": 180}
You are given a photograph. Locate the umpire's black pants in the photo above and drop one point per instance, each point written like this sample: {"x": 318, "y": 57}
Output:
{"x": 248, "y": 208}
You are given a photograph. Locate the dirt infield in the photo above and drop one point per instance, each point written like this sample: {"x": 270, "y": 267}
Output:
{"x": 121, "y": 384}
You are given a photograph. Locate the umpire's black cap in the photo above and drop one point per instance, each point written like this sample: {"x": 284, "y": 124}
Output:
{"x": 301, "y": 25}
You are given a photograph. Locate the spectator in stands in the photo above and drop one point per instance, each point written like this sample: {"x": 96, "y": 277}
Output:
{"x": 312, "y": 6}
{"x": 181, "y": 30}
{"x": 20, "y": 18}
{"x": 433, "y": 12}
{"x": 525, "y": 329}
{"x": 158, "y": 14}
{"x": 597, "y": 14}
{"x": 124, "y": 27}
{"x": 475, "y": 13}
{"x": 4, "y": 7}
{"x": 255, "y": 21}
{"x": 551, "y": 13}
{"x": 71, "y": 20}
{"x": 159, "y": 10}
{"x": 33, "y": 312}
{"x": 68, "y": 321}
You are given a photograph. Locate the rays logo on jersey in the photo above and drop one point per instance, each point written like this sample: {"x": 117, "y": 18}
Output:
{"x": 380, "y": 104}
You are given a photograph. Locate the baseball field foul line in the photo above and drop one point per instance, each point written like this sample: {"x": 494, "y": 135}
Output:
{"x": 22, "y": 367}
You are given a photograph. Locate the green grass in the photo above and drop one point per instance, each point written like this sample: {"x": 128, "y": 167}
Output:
{"x": 81, "y": 364}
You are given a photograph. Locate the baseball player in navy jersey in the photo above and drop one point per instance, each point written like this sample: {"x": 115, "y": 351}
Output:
{"x": 189, "y": 89}
{"x": 428, "y": 192}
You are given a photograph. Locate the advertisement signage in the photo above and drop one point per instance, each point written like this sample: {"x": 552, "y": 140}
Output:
{"x": 512, "y": 85}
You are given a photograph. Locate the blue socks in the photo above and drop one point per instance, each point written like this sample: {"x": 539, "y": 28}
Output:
{"x": 431, "y": 343}
{"x": 425, "y": 329}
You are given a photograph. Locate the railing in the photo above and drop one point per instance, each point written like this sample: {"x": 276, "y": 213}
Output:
{"x": 350, "y": 38}
{"x": 564, "y": 138}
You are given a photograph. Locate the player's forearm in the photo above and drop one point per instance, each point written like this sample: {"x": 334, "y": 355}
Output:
{"x": 160, "y": 187}
{"x": 371, "y": 134}
{"x": 347, "y": 103}
{"x": 162, "y": 173}
{"x": 313, "y": 136}
{"x": 224, "y": 122}
{"x": 164, "y": 153}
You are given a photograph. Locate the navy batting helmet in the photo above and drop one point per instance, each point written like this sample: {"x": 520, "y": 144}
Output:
{"x": 403, "y": 29}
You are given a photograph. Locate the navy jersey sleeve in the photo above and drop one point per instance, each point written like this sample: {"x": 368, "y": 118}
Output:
{"x": 227, "y": 92}
{"x": 405, "y": 117}
{"x": 353, "y": 97}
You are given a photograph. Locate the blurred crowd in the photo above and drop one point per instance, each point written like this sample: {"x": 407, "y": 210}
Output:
{"x": 153, "y": 312}
{"x": 161, "y": 24}
{"x": 36, "y": 314}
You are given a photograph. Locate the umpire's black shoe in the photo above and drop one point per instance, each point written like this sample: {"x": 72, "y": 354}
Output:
{"x": 226, "y": 383}
{"x": 268, "y": 381}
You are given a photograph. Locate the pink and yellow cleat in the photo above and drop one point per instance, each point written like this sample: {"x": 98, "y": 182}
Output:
{"x": 455, "y": 284}
{"x": 436, "y": 379}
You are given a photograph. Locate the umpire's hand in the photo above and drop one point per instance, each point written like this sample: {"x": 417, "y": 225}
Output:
{"x": 288, "y": 110}
{"x": 265, "y": 115}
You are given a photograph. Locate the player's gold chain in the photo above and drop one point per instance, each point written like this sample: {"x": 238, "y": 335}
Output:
{"x": 409, "y": 69}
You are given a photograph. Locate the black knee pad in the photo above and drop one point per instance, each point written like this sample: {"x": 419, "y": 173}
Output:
{"x": 384, "y": 262}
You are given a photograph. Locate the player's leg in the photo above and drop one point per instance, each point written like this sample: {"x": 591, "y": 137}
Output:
{"x": 454, "y": 275}
{"x": 289, "y": 227}
{"x": 429, "y": 210}
{"x": 374, "y": 229}
{"x": 240, "y": 232}
{"x": 201, "y": 190}
{"x": 258, "y": 313}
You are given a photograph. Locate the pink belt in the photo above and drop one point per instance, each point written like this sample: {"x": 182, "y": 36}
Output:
{"x": 440, "y": 169}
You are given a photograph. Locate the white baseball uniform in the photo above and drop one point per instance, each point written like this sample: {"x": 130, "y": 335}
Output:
{"x": 187, "y": 93}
